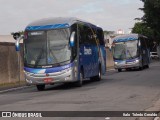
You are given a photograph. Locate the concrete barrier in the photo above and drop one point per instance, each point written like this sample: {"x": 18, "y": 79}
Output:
{"x": 110, "y": 62}
{"x": 9, "y": 63}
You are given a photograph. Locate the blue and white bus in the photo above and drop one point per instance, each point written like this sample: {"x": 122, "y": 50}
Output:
{"x": 131, "y": 51}
{"x": 59, "y": 50}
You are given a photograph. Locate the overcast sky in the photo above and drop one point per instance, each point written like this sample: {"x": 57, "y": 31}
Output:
{"x": 109, "y": 14}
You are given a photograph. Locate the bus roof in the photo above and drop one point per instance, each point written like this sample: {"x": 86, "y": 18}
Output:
{"x": 128, "y": 37}
{"x": 54, "y": 23}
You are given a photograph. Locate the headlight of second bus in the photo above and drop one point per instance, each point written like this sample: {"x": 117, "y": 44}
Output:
{"x": 137, "y": 61}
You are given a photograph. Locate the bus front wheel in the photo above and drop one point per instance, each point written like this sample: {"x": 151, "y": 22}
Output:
{"x": 119, "y": 70}
{"x": 40, "y": 87}
{"x": 79, "y": 83}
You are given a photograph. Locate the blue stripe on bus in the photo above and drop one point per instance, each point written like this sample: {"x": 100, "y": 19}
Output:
{"x": 125, "y": 39}
{"x": 46, "y": 27}
{"x": 47, "y": 70}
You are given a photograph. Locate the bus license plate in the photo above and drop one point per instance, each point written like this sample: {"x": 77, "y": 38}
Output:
{"x": 48, "y": 80}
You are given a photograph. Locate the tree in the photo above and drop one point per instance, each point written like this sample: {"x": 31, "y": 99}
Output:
{"x": 151, "y": 16}
{"x": 142, "y": 28}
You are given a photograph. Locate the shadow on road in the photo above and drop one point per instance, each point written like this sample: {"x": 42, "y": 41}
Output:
{"x": 69, "y": 86}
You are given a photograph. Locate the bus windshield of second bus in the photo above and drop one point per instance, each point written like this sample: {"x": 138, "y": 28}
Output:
{"x": 45, "y": 48}
{"x": 125, "y": 50}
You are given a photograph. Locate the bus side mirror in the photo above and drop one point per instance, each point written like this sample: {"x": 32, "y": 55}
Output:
{"x": 17, "y": 45}
{"x": 72, "y": 40}
{"x": 17, "y": 37}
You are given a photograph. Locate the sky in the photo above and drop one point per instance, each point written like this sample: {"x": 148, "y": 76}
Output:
{"x": 111, "y": 15}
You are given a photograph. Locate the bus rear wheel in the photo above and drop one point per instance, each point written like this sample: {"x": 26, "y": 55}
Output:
{"x": 119, "y": 70}
{"x": 147, "y": 66}
{"x": 40, "y": 87}
{"x": 99, "y": 76}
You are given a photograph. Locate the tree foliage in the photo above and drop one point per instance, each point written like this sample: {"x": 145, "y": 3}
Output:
{"x": 142, "y": 28}
{"x": 151, "y": 19}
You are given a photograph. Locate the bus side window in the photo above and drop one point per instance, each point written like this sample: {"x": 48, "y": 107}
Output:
{"x": 89, "y": 35}
{"x": 143, "y": 45}
{"x": 81, "y": 33}
{"x": 100, "y": 36}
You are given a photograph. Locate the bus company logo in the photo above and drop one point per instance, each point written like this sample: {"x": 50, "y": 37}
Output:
{"x": 6, "y": 114}
{"x": 87, "y": 51}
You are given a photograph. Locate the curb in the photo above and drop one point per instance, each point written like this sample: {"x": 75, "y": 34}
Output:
{"x": 154, "y": 107}
{"x": 14, "y": 89}
{"x": 110, "y": 69}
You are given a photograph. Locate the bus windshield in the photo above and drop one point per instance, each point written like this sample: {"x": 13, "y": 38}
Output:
{"x": 45, "y": 48}
{"x": 119, "y": 51}
{"x": 132, "y": 49}
{"x": 125, "y": 50}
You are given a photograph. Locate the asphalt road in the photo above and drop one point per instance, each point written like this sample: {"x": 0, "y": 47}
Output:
{"x": 125, "y": 91}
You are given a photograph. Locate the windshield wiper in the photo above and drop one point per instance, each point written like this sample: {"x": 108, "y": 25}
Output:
{"x": 122, "y": 52}
{"x": 130, "y": 54}
{"x": 58, "y": 64}
{"x": 39, "y": 57}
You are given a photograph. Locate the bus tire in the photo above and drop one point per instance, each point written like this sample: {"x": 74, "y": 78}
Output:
{"x": 128, "y": 69}
{"x": 141, "y": 66}
{"x": 79, "y": 83}
{"x": 99, "y": 76}
{"x": 40, "y": 87}
{"x": 147, "y": 66}
{"x": 119, "y": 70}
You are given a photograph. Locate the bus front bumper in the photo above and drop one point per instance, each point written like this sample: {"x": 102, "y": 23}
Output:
{"x": 50, "y": 78}
{"x": 125, "y": 65}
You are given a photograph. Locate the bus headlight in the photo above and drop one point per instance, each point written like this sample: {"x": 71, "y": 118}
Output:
{"x": 137, "y": 61}
{"x": 28, "y": 81}
{"x": 115, "y": 63}
{"x": 68, "y": 78}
